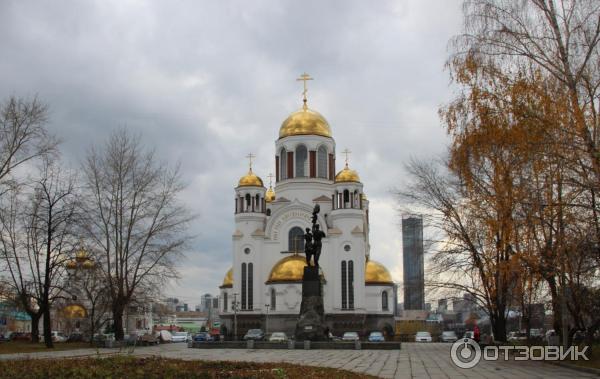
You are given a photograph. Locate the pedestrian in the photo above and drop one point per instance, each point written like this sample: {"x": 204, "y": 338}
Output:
{"x": 476, "y": 333}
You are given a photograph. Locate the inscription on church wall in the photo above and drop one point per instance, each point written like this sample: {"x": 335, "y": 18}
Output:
{"x": 294, "y": 214}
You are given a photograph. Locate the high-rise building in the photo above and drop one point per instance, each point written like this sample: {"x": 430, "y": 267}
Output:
{"x": 412, "y": 252}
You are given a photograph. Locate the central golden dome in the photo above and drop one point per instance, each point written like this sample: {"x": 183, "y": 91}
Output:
{"x": 376, "y": 273}
{"x": 250, "y": 180}
{"x": 305, "y": 122}
{"x": 289, "y": 269}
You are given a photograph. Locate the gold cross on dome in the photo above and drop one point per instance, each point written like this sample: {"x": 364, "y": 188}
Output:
{"x": 250, "y": 157}
{"x": 270, "y": 176}
{"x": 304, "y": 77}
{"x": 346, "y": 152}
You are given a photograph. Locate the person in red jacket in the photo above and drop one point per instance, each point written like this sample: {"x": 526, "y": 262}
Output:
{"x": 476, "y": 333}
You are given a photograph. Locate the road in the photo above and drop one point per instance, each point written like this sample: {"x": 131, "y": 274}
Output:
{"x": 414, "y": 361}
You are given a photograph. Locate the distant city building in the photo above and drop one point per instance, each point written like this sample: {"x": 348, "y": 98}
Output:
{"x": 442, "y": 305}
{"x": 412, "y": 252}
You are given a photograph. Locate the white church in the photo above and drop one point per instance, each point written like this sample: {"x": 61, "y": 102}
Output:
{"x": 263, "y": 289}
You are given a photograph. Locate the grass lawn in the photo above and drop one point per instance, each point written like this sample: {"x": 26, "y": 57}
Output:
{"x": 30, "y": 347}
{"x": 130, "y": 367}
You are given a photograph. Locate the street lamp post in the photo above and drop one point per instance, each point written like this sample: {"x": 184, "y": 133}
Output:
{"x": 267, "y": 320}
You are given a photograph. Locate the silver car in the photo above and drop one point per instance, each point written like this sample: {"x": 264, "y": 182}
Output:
{"x": 423, "y": 337}
{"x": 350, "y": 336}
{"x": 448, "y": 336}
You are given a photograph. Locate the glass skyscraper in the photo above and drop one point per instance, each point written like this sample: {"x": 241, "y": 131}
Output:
{"x": 412, "y": 252}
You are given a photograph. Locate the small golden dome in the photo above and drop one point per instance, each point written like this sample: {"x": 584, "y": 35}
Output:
{"x": 81, "y": 255}
{"x": 228, "y": 279}
{"x": 270, "y": 195}
{"x": 289, "y": 269}
{"x": 376, "y": 273}
{"x": 71, "y": 265}
{"x": 347, "y": 175}
{"x": 305, "y": 122}
{"x": 88, "y": 264}
{"x": 250, "y": 180}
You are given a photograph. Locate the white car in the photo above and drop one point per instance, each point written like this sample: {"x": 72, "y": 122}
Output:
{"x": 180, "y": 337}
{"x": 350, "y": 336}
{"x": 448, "y": 336}
{"x": 278, "y": 337}
{"x": 423, "y": 337}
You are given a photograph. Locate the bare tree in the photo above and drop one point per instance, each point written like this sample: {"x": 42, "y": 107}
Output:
{"x": 97, "y": 296}
{"x": 23, "y": 136}
{"x": 133, "y": 218}
{"x": 36, "y": 226}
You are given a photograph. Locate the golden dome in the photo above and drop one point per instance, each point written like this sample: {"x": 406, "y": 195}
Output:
{"x": 376, "y": 273}
{"x": 347, "y": 175}
{"x": 72, "y": 264}
{"x": 74, "y": 311}
{"x": 289, "y": 269}
{"x": 250, "y": 180}
{"x": 89, "y": 264}
{"x": 305, "y": 122}
{"x": 81, "y": 255}
{"x": 270, "y": 195}
{"x": 228, "y": 279}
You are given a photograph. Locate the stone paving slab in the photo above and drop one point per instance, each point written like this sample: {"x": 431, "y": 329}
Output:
{"x": 415, "y": 360}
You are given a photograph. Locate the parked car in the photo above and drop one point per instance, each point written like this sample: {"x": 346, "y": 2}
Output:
{"x": 376, "y": 337}
{"x": 448, "y": 336}
{"x": 203, "y": 337}
{"x": 278, "y": 337}
{"x": 536, "y": 333}
{"x": 517, "y": 337}
{"x": 423, "y": 337}
{"x": 165, "y": 336}
{"x": 180, "y": 337}
{"x": 255, "y": 334}
{"x": 5, "y": 337}
{"x": 148, "y": 339}
{"x": 350, "y": 336}
{"x": 469, "y": 334}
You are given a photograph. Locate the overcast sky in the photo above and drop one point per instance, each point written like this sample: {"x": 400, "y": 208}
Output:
{"x": 207, "y": 82}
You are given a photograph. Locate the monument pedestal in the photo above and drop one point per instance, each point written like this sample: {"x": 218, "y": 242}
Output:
{"x": 310, "y": 326}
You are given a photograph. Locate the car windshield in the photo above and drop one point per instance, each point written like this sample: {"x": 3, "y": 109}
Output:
{"x": 278, "y": 335}
{"x": 350, "y": 334}
{"x": 254, "y": 331}
{"x": 181, "y": 334}
{"x": 423, "y": 334}
{"x": 376, "y": 334}
{"x": 449, "y": 333}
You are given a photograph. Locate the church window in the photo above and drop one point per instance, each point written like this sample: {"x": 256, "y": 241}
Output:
{"x": 244, "y": 286}
{"x": 384, "y": 301}
{"x": 301, "y": 161}
{"x": 350, "y": 285}
{"x": 248, "y": 202}
{"x": 257, "y": 203}
{"x": 296, "y": 239}
{"x": 247, "y": 250}
{"x": 283, "y": 164}
{"x": 273, "y": 299}
{"x": 344, "y": 288}
{"x": 225, "y": 302}
{"x": 250, "y": 287}
{"x": 322, "y": 162}
{"x": 346, "y": 198}
{"x": 347, "y": 247}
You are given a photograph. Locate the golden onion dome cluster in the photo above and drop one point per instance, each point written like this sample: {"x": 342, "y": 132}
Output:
{"x": 250, "y": 180}
{"x": 376, "y": 273}
{"x": 347, "y": 175}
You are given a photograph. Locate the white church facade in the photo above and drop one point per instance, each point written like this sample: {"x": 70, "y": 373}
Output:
{"x": 263, "y": 289}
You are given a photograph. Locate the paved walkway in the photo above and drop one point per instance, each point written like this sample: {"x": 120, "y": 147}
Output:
{"x": 414, "y": 361}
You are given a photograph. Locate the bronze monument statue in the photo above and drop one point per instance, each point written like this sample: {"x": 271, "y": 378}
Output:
{"x": 313, "y": 244}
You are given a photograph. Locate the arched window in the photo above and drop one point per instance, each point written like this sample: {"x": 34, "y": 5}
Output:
{"x": 346, "y": 198}
{"x": 225, "y": 302}
{"x": 322, "y": 162}
{"x": 257, "y": 203}
{"x": 344, "y": 287}
{"x": 248, "y": 201}
{"x": 350, "y": 284}
{"x": 244, "y": 279}
{"x": 273, "y": 299}
{"x": 301, "y": 161}
{"x": 296, "y": 239}
{"x": 250, "y": 287}
{"x": 384, "y": 301}
{"x": 283, "y": 164}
